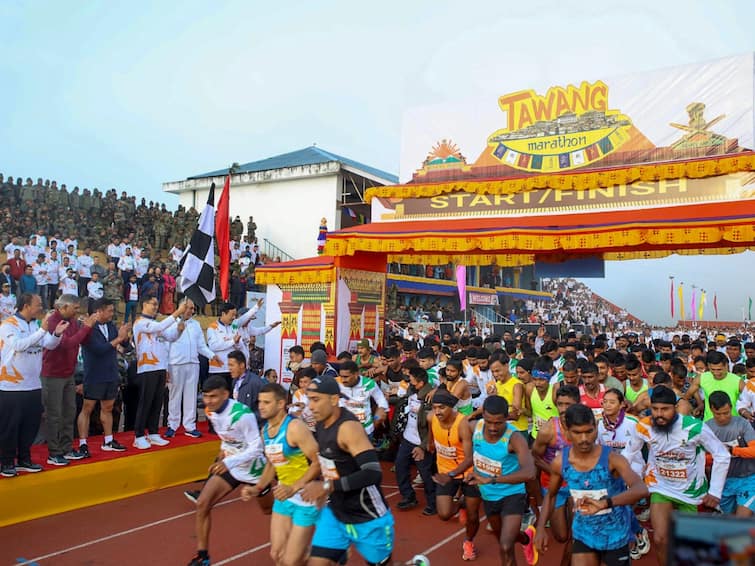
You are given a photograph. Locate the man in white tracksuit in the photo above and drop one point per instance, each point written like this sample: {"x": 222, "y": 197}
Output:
{"x": 186, "y": 346}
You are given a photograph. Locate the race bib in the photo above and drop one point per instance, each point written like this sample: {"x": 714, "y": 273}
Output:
{"x": 445, "y": 451}
{"x": 674, "y": 470}
{"x": 595, "y": 494}
{"x": 487, "y": 465}
{"x": 328, "y": 468}
{"x": 274, "y": 453}
{"x": 358, "y": 409}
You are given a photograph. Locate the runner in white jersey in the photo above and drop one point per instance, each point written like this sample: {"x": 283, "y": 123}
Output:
{"x": 675, "y": 472}
{"x": 240, "y": 461}
{"x": 358, "y": 393}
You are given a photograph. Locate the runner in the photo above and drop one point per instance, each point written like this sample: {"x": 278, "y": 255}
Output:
{"x": 240, "y": 460}
{"x": 357, "y": 395}
{"x": 458, "y": 387}
{"x": 288, "y": 447}
{"x": 615, "y": 429}
{"x": 299, "y": 402}
{"x": 511, "y": 389}
{"x": 591, "y": 391}
{"x": 540, "y": 395}
{"x": 635, "y": 385}
{"x": 451, "y": 437}
{"x": 357, "y": 512}
{"x": 551, "y": 439}
{"x": 502, "y": 465}
{"x": 675, "y": 472}
{"x": 595, "y": 477}
{"x": 739, "y": 438}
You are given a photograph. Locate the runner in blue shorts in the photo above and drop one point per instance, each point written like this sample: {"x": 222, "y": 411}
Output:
{"x": 356, "y": 511}
{"x": 289, "y": 449}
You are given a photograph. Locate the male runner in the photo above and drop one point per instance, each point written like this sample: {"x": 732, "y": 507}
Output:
{"x": 502, "y": 465}
{"x": 451, "y": 438}
{"x": 289, "y": 449}
{"x": 595, "y": 477}
{"x": 357, "y": 394}
{"x": 357, "y": 512}
{"x": 675, "y": 473}
{"x": 458, "y": 387}
{"x": 240, "y": 460}
{"x": 551, "y": 439}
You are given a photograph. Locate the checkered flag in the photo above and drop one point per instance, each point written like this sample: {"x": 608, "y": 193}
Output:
{"x": 197, "y": 279}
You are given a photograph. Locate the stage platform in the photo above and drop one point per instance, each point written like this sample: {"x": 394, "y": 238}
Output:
{"x": 107, "y": 476}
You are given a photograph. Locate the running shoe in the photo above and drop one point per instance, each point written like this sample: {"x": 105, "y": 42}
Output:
{"x": 157, "y": 440}
{"x": 191, "y": 433}
{"x": 113, "y": 446}
{"x": 634, "y": 553}
{"x": 29, "y": 467}
{"x": 57, "y": 461}
{"x": 84, "y": 451}
{"x": 644, "y": 515}
{"x": 199, "y": 561}
{"x": 141, "y": 443}
{"x": 170, "y": 433}
{"x": 528, "y": 519}
{"x": 468, "y": 550}
{"x": 530, "y": 552}
{"x": 9, "y": 471}
{"x": 74, "y": 455}
{"x": 406, "y": 504}
{"x": 463, "y": 517}
{"x": 418, "y": 480}
{"x": 192, "y": 495}
{"x": 643, "y": 542}
{"x": 429, "y": 511}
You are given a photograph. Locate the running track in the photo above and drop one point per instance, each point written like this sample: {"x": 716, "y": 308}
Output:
{"x": 158, "y": 529}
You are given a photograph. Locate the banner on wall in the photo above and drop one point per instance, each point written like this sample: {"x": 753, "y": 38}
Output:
{"x": 483, "y": 299}
{"x": 663, "y": 115}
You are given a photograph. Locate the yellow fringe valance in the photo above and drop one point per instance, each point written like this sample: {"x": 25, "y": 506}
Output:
{"x": 501, "y": 260}
{"x": 693, "y": 169}
{"x": 293, "y": 277}
{"x": 524, "y": 241}
{"x": 658, "y": 254}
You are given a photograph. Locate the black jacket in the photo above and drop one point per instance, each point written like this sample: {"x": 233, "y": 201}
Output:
{"x": 248, "y": 392}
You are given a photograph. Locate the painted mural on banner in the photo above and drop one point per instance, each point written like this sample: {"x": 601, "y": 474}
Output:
{"x": 664, "y": 115}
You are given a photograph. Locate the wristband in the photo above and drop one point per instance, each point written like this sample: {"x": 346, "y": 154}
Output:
{"x": 609, "y": 503}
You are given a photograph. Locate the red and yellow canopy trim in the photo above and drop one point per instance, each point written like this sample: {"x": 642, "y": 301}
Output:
{"x": 319, "y": 269}
{"x": 580, "y": 180}
{"x": 710, "y": 225}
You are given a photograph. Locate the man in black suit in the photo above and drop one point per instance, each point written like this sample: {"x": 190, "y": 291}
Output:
{"x": 6, "y": 277}
{"x": 101, "y": 376}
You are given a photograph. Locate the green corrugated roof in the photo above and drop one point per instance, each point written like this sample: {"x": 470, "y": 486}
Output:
{"x": 307, "y": 156}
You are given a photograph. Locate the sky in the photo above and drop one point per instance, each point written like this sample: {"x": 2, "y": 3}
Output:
{"x": 132, "y": 94}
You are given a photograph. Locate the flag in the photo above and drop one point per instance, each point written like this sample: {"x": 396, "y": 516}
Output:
{"x": 511, "y": 157}
{"x": 461, "y": 285}
{"x": 578, "y": 157}
{"x": 692, "y": 309}
{"x": 701, "y": 307}
{"x": 749, "y": 310}
{"x": 715, "y": 304}
{"x": 681, "y": 301}
{"x": 223, "y": 234}
{"x": 351, "y": 212}
{"x": 672, "y": 297}
{"x": 197, "y": 280}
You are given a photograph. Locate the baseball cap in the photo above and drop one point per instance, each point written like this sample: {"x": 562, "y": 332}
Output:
{"x": 324, "y": 385}
{"x": 364, "y": 343}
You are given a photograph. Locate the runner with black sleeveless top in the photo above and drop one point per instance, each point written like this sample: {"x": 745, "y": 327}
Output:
{"x": 356, "y": 512}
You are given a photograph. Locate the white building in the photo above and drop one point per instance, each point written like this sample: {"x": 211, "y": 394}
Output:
{"x": 288, "y": 195}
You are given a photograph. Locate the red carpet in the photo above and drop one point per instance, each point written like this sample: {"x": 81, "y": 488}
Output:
{"x": 39, "y": 452}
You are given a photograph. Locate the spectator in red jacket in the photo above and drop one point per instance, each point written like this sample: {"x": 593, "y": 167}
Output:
{"x": 17, "y": 265}
{"x": 58, "y": 385}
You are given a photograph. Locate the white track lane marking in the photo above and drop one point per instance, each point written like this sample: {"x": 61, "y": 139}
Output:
{"x": 116, "y": 535}
{"x": 448, "y": 539}
{"x": 266, "y": 545}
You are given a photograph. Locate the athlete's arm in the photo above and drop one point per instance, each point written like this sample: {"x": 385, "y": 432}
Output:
{"x": 251, "y": 432}
{"x": 268, "y": 475}
{"x": 541, "y": 535}
{"x": 640, "y": 404}
{"x": 465, "y": 435}
{"x": 694, "y": 386}
{"x": 526, "y": 472}
{"x": 718, "y": 472}
{"x": 430, "y": 436}
{"x": 528, "y": 389}
{"x": 516, "y": 406}
{"x": 380, "y": 401}
{"x": 636, "y": 488}
{"x": 544, "y": 438}
{"x": 353, "y": 439}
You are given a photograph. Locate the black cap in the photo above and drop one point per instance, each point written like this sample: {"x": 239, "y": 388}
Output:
{"x": 325, "y": 385}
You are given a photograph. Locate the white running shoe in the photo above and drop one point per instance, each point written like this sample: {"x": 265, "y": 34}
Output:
{"x": 141, "y": 443}
{"x": 157, "y": 440}
{"x": 643, "y": 542}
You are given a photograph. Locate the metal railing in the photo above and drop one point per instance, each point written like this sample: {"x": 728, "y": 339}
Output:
{"x": 272, "y": 251}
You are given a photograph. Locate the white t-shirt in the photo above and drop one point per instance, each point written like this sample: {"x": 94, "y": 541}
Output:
{"x": 85, "y": 264}
{"x": 40, "y": 273}
{"x": 95, "y": 290}
{"x": 69, "y": 286}
{"x": 411, "y": 432}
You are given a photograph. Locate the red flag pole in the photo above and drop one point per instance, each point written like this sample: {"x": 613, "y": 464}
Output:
{"x": 223, "y": 237}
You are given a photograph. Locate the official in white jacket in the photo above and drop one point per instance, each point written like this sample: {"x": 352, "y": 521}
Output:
{"x": 186, "y": 344}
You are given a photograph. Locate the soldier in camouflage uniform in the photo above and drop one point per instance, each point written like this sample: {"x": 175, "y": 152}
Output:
{"x": 73, "y": 199}
{"x": 86, "y": 201}
{"x": 113, "y": 286}
{"x": 251, "y": 231}
{"x": 237, "y": 228}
